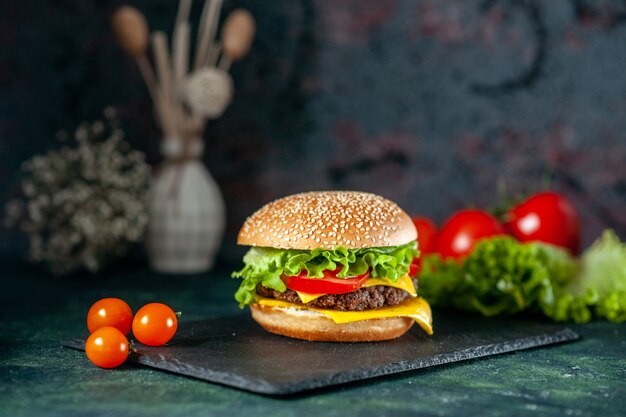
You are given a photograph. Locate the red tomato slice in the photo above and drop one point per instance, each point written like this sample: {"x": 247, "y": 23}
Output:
{"x": 329, "y": 284}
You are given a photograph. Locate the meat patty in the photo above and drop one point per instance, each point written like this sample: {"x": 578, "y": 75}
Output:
{"x": 366, "y": 298}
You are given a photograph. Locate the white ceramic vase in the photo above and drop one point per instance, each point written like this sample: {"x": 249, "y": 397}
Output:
{"x": 187, "y": 215}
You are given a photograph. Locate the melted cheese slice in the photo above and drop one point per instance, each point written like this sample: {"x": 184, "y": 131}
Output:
{"x": 306, "y": 297}
{"x": 404, "y": 283}
{"x": 416, "y": 308}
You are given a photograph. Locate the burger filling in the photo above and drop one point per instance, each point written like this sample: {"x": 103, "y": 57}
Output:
{"x": 340, "y": 279}
{"x": 364, "y": 298}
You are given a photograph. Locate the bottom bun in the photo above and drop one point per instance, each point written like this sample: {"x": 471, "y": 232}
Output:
{"x": 313, "y": 326}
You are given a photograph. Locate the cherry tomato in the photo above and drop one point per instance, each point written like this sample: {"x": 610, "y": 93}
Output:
{"x": 426, "y": 234}
{"x": 329, "y": 284}
{"x": 546, "y": 217}
{"x": 461, "y": 232}
{"x": 155, "y": 324}
{"x": 107, "y": 347}
{"x": 110, "y": 312}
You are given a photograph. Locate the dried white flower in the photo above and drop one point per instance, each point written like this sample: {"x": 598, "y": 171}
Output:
{"x": 82, "y": 205}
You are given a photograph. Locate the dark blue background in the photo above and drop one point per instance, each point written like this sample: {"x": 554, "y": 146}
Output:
{"x": 428, "y": 103}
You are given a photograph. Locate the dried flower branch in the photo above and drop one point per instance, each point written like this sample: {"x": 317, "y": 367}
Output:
{"x": 82, "y": 205}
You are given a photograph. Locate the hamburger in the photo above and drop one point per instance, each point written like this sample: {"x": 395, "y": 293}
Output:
{"x": 332, "y": 266}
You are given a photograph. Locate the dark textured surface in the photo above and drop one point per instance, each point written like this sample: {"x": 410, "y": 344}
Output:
{"x": 39, "y": 377}
{"x": 428, "y": 102}
{"x": 235, "y": 351}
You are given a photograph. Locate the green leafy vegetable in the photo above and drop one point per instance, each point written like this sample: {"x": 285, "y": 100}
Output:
{"x": 501, "y": 276}
{"x": 504, "y": 276}
{"x": 599, "y": 287}
{"x": 265, "y": 266}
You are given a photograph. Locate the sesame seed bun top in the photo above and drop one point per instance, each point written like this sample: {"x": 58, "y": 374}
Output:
{"x": 327, "y": 220}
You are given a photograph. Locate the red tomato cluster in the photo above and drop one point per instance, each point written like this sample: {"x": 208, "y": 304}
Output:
{"x": 546, "y": 217}
{"x": 110, "y": 319}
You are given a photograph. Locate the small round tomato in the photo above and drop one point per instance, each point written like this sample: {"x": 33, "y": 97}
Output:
{"x": 107, "y": 347}
{"x": 426, "y": 234}
{"x": 111, "y": 312}
{"x": 460, "y": 233}
{"x": 155, "y": 324}
{"x": 546, "y": 217}
{"x": 328, "y": 284}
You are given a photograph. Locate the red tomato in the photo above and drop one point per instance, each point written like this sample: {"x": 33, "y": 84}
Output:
{"x": 415, "y": 267}
{"x": 546, "y": 217}
{"x": 426, "y": 234}
{"x": 155, "y": 324}
{"x": 111, "y": 312}
{"x": 329, "y": 284}
{"x": 461, "y": 232}
{"x": 107, "y": 347}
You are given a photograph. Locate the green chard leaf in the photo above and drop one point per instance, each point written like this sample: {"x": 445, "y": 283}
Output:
{"x": 265, "y": 266}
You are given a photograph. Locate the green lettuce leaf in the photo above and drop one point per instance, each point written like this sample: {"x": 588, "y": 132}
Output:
{"x": 501, "y": 276}
{"x": 504, "y": 276}
{"x": 265, "y": 266}
{"x": 599, "y": 287}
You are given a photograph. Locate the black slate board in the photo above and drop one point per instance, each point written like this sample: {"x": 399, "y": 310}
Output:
{"x": 235, "y": 351}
